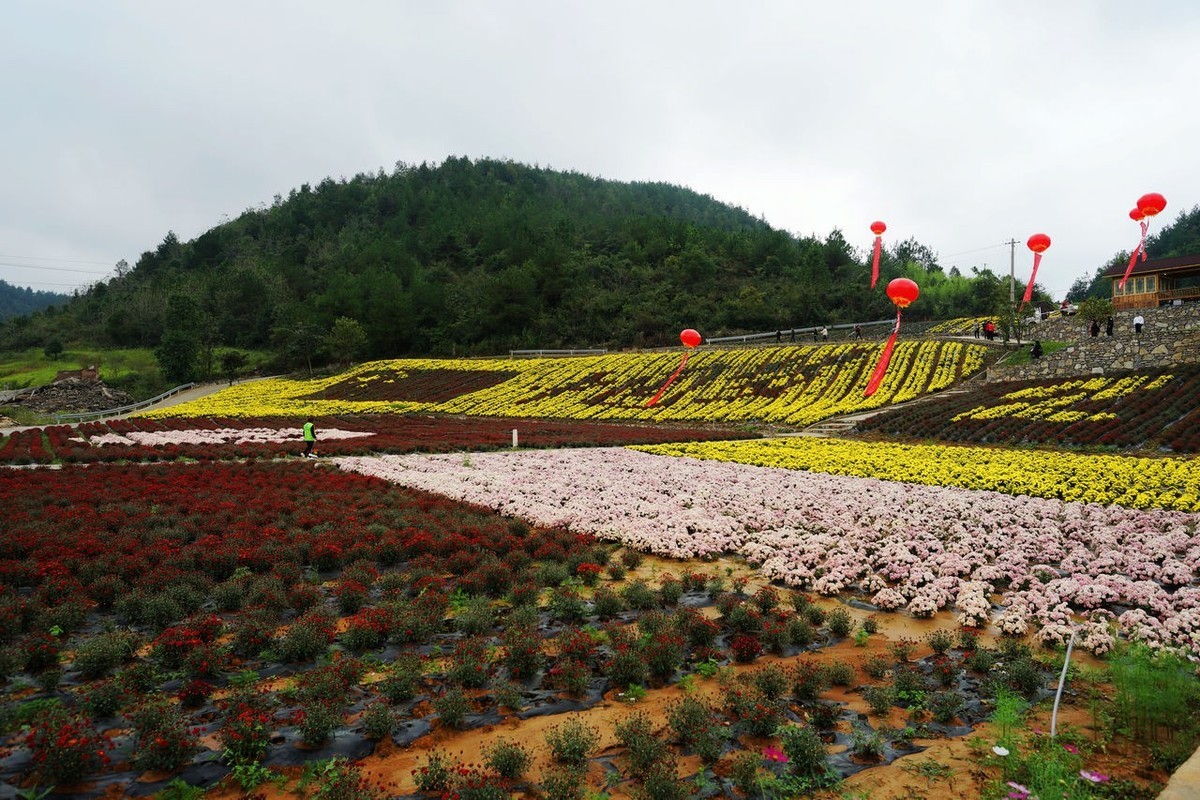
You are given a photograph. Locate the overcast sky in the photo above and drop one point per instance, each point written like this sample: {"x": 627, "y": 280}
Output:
{"x": 962, "y": 124}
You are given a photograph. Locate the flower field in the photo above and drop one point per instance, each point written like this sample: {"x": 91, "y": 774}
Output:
{"x": 187, "y": 624}
{"x": 920, "y": 548}
{"x": 1168, "y": 483}
{"x": 794, "y": 385}
{"x": 169, "y": 439}
{"x": 1148, "y": 410}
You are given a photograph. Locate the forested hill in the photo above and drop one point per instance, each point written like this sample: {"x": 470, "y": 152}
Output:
{"x": 15, "y": 300}
{"x": 473, "y": 257}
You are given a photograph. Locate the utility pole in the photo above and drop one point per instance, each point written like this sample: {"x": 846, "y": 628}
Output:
{"x": 1012, "y": 271}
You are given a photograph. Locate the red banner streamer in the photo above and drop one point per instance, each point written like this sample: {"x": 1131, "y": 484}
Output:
{"x": 1139, "y": 250}
{"x": 1037, "y": 259}
{"x": 670, "y": 380}
{"x": 884, "y": 359}
{"x": 875, "y": 261}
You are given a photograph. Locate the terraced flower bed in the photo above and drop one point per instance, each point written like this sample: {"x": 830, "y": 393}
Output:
{"x": 1153, "y": 410}
{"x": 244, "y": 437}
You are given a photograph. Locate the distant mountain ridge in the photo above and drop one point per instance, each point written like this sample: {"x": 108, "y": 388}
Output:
{"x": 17, "y": 301}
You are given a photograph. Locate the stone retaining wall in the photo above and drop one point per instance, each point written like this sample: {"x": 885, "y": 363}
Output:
{"x": 1170, "y": 336}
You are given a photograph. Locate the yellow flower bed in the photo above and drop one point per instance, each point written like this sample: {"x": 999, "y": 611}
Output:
{"x": 1133, "y": 482}
{"x": 794, "y": 385}
{"x": 1049, "y": 401}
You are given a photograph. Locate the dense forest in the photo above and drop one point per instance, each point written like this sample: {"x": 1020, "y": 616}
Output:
{"x": 16, "y": 301}
{"x": 478, "y": 257}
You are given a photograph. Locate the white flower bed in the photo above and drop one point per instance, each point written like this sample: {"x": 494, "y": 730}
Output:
{"x": 218, "y": 436}
{"x": 920, "y": 547}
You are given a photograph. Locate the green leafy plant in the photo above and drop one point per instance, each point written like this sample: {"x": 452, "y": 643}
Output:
{"x": 572, "y": 742}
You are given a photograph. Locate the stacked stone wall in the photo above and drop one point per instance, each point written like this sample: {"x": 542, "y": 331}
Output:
{"x": 1170, "y": 336}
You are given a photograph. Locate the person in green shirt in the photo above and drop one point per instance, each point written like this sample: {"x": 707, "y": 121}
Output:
{"x": 310, "y": 438}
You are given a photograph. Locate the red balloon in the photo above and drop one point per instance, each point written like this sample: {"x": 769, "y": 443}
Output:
{"x": 1151, "y": 204}
{"x": 903, "y": 291}
{"x": 1136, "y": 215}
{"x": 1039, "y": 242}
{"x": 878, "y": 228}
{"x": 689, "y": 337}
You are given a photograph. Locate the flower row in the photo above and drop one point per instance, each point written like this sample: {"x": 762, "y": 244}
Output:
{"x": 1152, "y": 410}
{"x": 250, "y": 437}
{"x": 902, "y": 545}
{"x": 1168, "y": 483}
{"x": 794, "y": 385}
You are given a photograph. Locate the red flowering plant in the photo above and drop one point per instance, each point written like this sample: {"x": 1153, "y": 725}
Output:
{"x": 745, "y": 648}
{"x": 589, "y": 573}
{"x": 65, "y": 748}
{"x": 247, "y": 727}
{"x": 164, "y": 740}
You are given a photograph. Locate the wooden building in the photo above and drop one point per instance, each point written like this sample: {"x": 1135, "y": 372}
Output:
{"x": 1156, "y": 282}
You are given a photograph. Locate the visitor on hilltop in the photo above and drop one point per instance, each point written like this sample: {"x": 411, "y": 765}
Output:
{"x": 824, "y": 333}
{"x": 858, "y": 331}
{"x": 1108, "y": 327}
{"x": 1138, "y": 322}
{"x": 1036, "y": 352}
{"x": 310, "y": 438}
{"x": 1094, "y": 331}
{"x": 778, "y": 336}
{"x": 976, "y": 330}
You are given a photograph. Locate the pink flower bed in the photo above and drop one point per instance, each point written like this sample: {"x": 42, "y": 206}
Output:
{"x": 1023, "y": 564}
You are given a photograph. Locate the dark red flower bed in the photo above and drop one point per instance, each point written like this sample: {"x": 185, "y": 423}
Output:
{"x": 417, "y": 386}
{"x": 387, "y": 434}
{"x": 1158, "y": 419}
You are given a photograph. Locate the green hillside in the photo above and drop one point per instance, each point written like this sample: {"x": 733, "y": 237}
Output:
{"x": 466, "y": 258}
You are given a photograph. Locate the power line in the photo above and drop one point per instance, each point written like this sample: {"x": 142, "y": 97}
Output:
{"x": 55, "y": 269}
{"x": 46, "y": 258}
{"x": 977, "y": 250}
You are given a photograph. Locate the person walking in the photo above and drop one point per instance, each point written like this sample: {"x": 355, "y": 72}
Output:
{"x": 1108, "y": 327}
{"x": 858, "y": 331}
{"x": 1036, "y": 352}
{"x": 1094, "y": 330}
{"x": 310, "y": 438}
{"x": 824, "y": 333}
{"x": 1138, "y": 322}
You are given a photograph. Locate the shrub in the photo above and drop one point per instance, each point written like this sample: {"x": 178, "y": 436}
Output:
{"x": 102, "y": 699}
{"x": 469, "y": 663}
{"x": 771, "y": 680}
{"x": 400, "y": 682}
{"x": 306, "y": 639}
{"x": 563, "y": 783}
{"x": 194, "y": 693}
{"x": 643, "y": 747}
{"x": 378, "y": 722}
{"x": 567, "y": 605}
{"x": 659, "y": 782}
{"x": 840, "y": 673}
{"x": 745, "y": 648}
{"x": 572, "y": 742}
{"x": 804, "y": 749}
{"x": 880, "y": 699}
{"x": 509, "y": 759}
{"x": 523, "y": 655}
{"x": 246, "y": 731}
{"x": 434, "y": 775}
{"x": 663, "y": 654}
{"x": 876, "y": 667}
{"x": 839, "y": 622}
{"x": 626, "y": 667}
{"x": 571, "y": 676}
{"x": 476, "y": 617}
{"x": 452, "y": 708}
{"x": 940, "y": 641}
{"x": 808, "y": 681}
{"x": 945, "y": 706}
{"x": 867, "y": 744}
{"x": 104, "y": 652}
{"x": 65, "y": 749}
{"x": 164, "y": 740}
{"x": 637, "y": 595}
{"x": 607, "y": 603}
{"x": 800, "y": 631}
{"x": 743, "y": 772}
{"x": 670, "y": 590}
{"x": 631, "y": 559}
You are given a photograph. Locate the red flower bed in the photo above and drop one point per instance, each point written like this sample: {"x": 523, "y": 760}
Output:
{"x": 386, "y": 434}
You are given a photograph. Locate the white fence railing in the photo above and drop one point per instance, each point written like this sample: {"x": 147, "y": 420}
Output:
{"x": 116, "y": 412}
{"x": 553, "y": 353}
